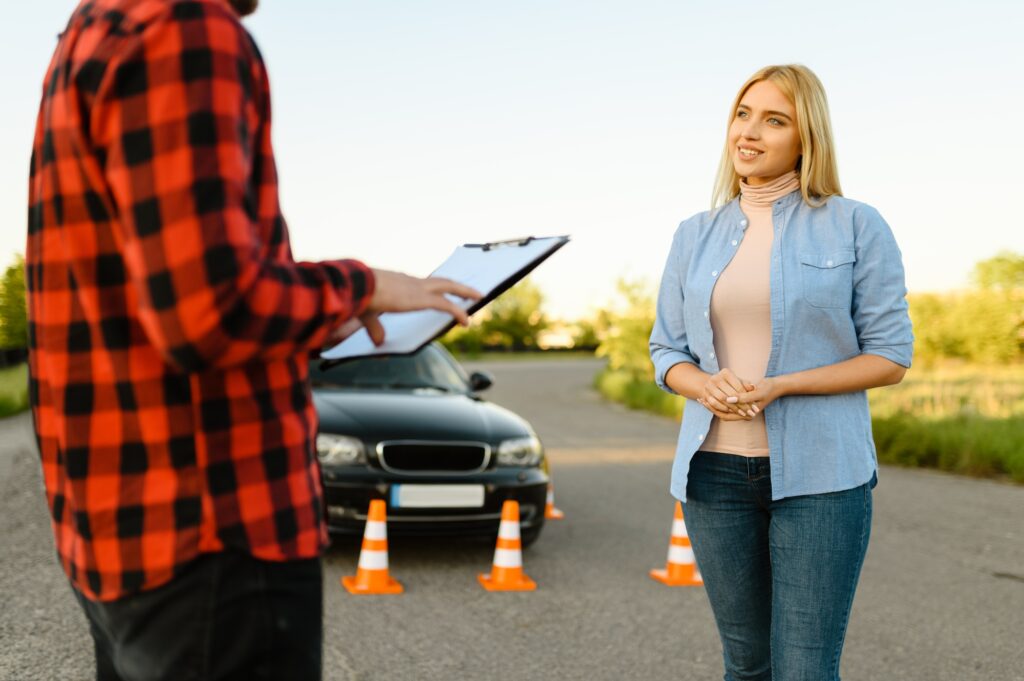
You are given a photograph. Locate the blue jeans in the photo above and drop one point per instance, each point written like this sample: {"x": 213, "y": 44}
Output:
{"x": 780, "y": 575}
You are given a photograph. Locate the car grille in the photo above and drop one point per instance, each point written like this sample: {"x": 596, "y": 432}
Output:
{"x": 429, "y": 457}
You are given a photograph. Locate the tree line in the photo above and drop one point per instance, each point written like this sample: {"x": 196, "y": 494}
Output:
{"x": 983, "y": 323}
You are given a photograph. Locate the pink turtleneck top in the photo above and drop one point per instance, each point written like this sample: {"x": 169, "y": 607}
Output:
{"x": 741, "y": 313}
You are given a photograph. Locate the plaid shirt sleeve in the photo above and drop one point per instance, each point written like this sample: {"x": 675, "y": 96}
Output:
{"x": 181, "y": 122}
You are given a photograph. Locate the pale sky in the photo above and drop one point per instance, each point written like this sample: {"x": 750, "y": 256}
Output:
{"x": 403, "y": 128}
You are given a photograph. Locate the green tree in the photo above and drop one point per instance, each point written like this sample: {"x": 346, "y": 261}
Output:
{"x": 467, "y": 341}
{"x": 13, "y": 304}
{"x": 585, "y": 335}
{"x": 515, "y": 319}
{"x": 994, "y": 323}
{"x": 983, "y": 326}
{"x": 1004, "y": 271}
{"x": 626, "y": 330}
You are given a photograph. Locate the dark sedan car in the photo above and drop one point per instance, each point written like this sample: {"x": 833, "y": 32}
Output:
{"x": 411, "y": 430}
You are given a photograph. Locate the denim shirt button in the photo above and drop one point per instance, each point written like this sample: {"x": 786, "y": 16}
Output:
{"x": 743, "y": 223}
{"x": 734, "y": 242}
{"x": 715, "y": 273}
{"x": 701, "y": 436}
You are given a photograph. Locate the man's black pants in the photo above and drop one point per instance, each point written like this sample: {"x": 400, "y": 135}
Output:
{"x": 226, "y": 616}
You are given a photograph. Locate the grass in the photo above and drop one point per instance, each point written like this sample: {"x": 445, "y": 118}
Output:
{"x": 964, "y": 419}
{"x": 13, "y": 390}
{"x": 953, "y": 390}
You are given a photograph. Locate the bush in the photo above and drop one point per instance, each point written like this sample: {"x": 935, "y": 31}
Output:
{"x": 13, "y": 306}
{"x": 970, "y": 445}
{"x": 621, "y": 387}
{"x": 13, "y": 390}
{"x": 626, "y": 329}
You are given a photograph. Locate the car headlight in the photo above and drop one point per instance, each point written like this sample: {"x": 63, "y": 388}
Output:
{"x": 339, "y": 450}
{"x": 522, "y": 451}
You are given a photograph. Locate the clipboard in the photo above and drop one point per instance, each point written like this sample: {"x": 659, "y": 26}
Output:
{"x": 491, "y": 268}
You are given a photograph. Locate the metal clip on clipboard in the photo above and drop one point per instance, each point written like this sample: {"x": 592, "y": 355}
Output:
{"x": 492, "y": 268}
{"x": 502, "y": 244}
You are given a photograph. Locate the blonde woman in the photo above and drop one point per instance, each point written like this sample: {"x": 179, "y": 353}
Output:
{"x": 777, "y": 310}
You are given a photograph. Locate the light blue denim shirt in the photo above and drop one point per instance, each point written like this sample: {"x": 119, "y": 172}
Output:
{"x": 837, "y": 291}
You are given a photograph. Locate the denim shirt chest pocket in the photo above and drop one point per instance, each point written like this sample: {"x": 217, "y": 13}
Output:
{"x": 827, "y": 278}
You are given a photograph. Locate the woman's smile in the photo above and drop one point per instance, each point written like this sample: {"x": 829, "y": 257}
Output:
{"x": 748, "y": 153}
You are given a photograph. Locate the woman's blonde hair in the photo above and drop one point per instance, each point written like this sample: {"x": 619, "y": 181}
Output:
{"x": 819, "y": 176}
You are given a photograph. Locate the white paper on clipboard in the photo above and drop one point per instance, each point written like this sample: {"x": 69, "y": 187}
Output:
{"x": 489, "y": 268}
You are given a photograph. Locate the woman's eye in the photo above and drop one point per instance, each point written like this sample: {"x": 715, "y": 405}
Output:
{"x": 775, "y": 121}
{"x": 741, "y": 114}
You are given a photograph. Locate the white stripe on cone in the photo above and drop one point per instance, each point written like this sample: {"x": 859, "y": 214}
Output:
{"x": 508, "y": 558}
{"x": 373, "y": 560}
{"x": 679, "y": 529}
{"x": 376, "y": 530}
{"x": 508, "y": 530}
{"x": 680, "y": 554}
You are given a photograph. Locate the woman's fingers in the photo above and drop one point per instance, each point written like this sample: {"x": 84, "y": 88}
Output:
{"x": 732, "y": 381}
{"x": 722, "y": 410}
{"x": 716, "y": 404}
{"x": 734, "y": 387}
{"x": 722, "y": 415}
{"x": 718, "y": 398}
{"x": 722, "y": 392}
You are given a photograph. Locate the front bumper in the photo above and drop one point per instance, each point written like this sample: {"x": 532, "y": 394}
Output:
{"x": 348, "y": 492}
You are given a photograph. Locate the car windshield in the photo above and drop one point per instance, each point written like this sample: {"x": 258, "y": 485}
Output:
{"x": 430, "y": 368}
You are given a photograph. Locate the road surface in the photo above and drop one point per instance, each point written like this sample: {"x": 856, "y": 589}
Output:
{"x": 941, "y": 597}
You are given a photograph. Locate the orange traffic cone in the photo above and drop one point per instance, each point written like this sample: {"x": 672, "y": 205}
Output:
{"x": 507, "y": 572}
{"x": 681, "y": 569}
{"x": 372, "y": 576}
{"x": 550, "y": 512}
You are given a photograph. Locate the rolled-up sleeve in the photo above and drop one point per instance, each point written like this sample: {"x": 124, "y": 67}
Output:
{"x": 668, "y": 344}
{"x": 880, "y": 313}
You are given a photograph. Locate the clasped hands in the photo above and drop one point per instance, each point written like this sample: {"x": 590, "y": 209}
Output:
{"x": 731, "y": 398}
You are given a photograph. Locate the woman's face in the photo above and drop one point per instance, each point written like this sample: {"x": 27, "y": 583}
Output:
{"x": 763, "y": 136}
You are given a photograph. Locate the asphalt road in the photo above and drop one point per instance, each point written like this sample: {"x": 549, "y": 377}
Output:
{"x": 941, "y": 596}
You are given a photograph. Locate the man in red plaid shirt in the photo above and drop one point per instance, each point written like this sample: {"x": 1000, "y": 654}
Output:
{"x": 169, "y": 335}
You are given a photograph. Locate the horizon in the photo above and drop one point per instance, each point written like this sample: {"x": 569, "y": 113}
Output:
{"x": 466, "y": 122}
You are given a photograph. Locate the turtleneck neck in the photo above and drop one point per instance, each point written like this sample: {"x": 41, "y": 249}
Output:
{"x": 764, "y": 195}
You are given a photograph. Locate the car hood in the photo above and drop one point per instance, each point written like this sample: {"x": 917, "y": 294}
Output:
{"x": 400, "y": 415}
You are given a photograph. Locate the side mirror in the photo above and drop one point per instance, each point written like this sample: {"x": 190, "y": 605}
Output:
{"x": 480, "y": 380}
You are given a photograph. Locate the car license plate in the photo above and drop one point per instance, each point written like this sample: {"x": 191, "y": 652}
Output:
{"x": 437, "y": 496}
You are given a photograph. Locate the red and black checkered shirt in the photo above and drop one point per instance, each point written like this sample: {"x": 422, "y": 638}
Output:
{"x": 170, "y": 328}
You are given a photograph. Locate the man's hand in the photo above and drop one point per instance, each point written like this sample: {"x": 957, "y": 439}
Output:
{"x": 342, "y": 332}
{"x": 397, "y": 292}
